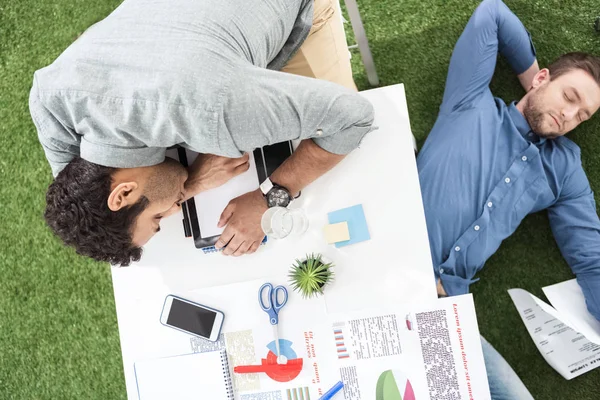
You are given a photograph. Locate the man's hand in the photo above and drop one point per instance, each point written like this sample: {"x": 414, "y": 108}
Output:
{"x": 440, "y": 289}
{"x": 243, "y": 234}
{"x": 209, "y": 171}
{"x": 243, "y": 214}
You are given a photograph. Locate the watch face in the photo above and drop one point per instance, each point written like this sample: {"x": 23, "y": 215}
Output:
{"x": 278, "y": 198}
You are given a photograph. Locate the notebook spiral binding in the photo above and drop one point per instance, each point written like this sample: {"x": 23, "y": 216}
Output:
{"x": 227, "y": 375}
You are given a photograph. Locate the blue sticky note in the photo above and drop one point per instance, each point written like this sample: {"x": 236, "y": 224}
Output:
{"x": 357, "y": 224}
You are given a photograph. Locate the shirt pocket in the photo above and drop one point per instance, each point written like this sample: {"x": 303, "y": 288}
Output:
{"x": 536, "y": 197}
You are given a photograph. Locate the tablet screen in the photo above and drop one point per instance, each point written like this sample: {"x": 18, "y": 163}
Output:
{"x": 210, "y": 204}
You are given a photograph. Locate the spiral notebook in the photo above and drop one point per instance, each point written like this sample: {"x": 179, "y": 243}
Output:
{"x": 186, "y": 377}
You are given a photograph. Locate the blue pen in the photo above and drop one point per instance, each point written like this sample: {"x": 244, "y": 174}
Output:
{"x": 332, "y": 392}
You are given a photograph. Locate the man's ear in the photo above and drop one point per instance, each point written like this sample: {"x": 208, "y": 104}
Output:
{"x": 122, "y": 196}
{"x": 541, "y": 78}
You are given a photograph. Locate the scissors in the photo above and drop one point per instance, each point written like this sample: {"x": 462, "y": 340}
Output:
{"x": 272, "y": 307}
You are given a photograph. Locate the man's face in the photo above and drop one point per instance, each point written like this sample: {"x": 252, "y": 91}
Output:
{"x": 164, "y": 189}
{"x": 558, "y": 106}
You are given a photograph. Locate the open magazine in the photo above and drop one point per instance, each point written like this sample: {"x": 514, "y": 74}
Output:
{"x": 566, "y": 335}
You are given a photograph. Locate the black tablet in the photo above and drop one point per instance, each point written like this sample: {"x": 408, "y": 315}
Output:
{"x": 266, "y": 160}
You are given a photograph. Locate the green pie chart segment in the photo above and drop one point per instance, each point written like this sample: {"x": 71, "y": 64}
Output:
{"x": 387, "y": 389}
{"x": 393, "y": 385}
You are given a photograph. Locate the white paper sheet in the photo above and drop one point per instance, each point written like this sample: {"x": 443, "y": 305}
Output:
{"x": 210, "y": 204}
{"x": 567, "y": 298}
{"x": 565, "y": 349}
{"x": 412, "y": 352}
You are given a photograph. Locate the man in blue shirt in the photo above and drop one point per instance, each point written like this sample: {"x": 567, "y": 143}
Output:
{"x": 486, "y": 165}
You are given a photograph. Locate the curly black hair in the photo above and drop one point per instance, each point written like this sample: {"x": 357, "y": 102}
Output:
{"x": 78, "y": 213}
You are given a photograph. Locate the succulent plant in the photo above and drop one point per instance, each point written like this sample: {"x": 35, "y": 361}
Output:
{"x": 310, "y": 275}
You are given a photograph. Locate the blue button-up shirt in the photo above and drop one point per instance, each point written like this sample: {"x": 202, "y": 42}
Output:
{"x": 482, "y": 169}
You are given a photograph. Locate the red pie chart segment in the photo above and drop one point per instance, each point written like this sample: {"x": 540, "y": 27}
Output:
{"x": 288, "y": 371}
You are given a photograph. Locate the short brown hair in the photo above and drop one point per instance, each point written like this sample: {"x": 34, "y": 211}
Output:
{"x": 576, "y": 60}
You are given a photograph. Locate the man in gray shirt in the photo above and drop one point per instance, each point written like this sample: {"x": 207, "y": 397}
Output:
{"x": 201, "y": 74}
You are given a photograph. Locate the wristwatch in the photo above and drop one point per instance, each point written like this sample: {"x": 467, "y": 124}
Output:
{"x": 276, "y": 196}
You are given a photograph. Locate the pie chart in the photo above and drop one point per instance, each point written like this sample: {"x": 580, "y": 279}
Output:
{"x": 278, "y": 372}
{"x": 288, "y": 371}
{"x": 394, "y": 385}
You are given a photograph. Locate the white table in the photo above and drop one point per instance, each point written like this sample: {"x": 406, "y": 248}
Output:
{"x": 393, "y": 267}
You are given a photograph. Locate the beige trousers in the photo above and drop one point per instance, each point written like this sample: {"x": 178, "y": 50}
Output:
{"x": 324, "y": 53}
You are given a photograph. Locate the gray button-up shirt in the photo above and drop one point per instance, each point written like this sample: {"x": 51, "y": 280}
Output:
{"x": 200, "y": 74}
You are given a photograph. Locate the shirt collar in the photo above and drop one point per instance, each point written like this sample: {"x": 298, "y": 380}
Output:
{"x": 522, "y": 125}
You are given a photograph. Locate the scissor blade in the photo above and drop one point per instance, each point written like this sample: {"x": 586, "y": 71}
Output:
{"x": 276, "y": 335}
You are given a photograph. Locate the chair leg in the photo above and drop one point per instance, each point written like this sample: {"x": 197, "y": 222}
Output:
{"x": 363, "y": 43}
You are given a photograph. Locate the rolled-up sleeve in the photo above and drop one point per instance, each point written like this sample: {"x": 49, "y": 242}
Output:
{"x": 576, "y": 228}
{"x": 265, "y": 107}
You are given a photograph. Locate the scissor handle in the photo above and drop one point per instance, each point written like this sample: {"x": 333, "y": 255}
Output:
{"x": 275, "y": 300}
{"x": 269, "y": 294}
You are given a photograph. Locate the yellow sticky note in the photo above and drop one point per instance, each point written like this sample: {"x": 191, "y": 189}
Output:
{"x": 336, "y": 232}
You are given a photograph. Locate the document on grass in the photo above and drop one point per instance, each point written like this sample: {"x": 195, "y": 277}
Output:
{"x": 567, "y": 298}
{"x": 558, "y": 339}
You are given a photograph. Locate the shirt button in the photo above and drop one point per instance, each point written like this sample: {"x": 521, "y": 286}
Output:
{"x": 524, "y": 158}
{"x": 507, "y": 180}
{"x": 476, "y": 227}
{"x": 457, "y": 248}
{"x": 319, "y": 132}
{"x": 441, "y": 270}
{"x": 490, "y": 204}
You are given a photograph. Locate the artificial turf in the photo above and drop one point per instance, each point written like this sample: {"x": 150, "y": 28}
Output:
{"x": 58, "y": 330}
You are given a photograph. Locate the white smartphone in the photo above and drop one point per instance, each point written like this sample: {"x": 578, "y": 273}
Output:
{"x": 193, "y": 318}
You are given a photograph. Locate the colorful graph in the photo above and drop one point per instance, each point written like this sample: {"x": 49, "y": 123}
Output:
{"x": 394, "y": 385}
{"x": 342, "y": 351}
{"x": 278, "y": 372}
{"x": 290, "y": 370}
{"x": 298, "y": 393}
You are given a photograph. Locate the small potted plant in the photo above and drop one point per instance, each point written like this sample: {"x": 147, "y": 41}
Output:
{"x": 309, "y": 275}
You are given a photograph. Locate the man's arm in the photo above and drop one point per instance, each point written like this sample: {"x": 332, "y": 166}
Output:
{"x": 330, "y": 119}
{"x": 308, "y": 162}
{"x": 243, "y": 214}
{"x": 60, "y": 145}
{"x": 576, "y": 228}
{"x": 492, "y": 28}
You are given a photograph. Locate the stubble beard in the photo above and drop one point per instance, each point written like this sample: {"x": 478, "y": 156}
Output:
{"x": 535, "y": 117}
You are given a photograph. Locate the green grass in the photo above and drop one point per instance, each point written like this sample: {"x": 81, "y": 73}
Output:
{"x": 58, "y": 328}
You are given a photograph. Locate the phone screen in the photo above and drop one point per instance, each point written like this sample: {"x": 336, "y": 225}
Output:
{"x": 191, "y": 318}
{"x": 276, "y": 154}
{"x": 269, "y": 158}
